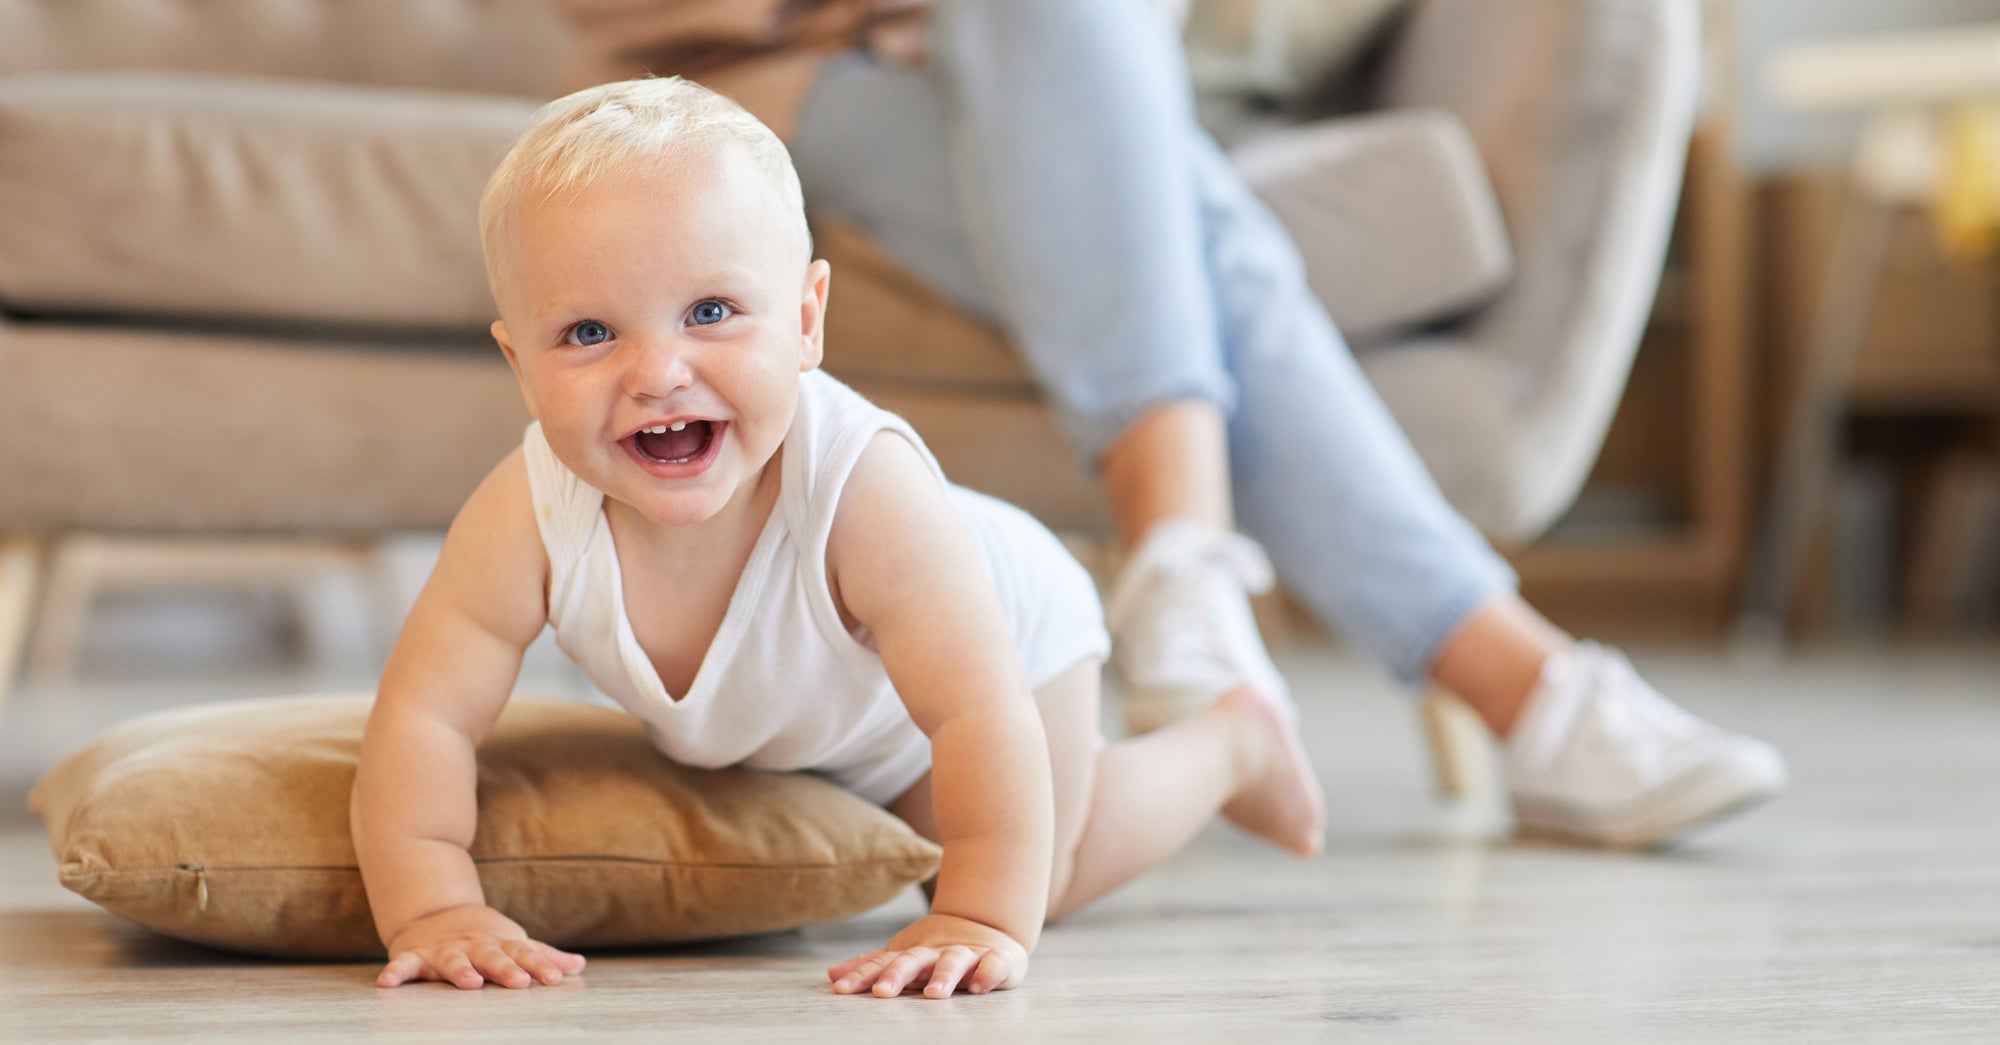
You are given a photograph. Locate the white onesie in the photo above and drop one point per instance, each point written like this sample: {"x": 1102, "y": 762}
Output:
{"x": 785, "y": 685}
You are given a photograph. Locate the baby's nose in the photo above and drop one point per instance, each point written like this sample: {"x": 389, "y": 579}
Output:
{"x": 657, "y": 369}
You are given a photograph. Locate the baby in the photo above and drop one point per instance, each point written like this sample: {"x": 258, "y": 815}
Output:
{"x": 768, "y": 571}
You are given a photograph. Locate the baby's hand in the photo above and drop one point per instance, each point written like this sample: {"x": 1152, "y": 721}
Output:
{"x": 466, "y": 946}
{"x": 941, "y": 949}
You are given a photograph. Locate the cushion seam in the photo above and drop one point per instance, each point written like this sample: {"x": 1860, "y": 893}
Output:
{"x": 736, "y": 866}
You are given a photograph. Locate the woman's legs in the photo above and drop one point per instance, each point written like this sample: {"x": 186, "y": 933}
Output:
{"x": 1116, "y": 323}
{"x": 1170, "y": 463}
{"x": 1138, "y": 275}
{"x": 1485, "y": 643}
{"x": 1097, "y": 277}
{"x": 1494, "y": 659}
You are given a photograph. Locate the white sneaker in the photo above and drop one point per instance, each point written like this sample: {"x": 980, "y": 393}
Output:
{"x": 1182, "y": 633}
{"x": 1599, "y": 756}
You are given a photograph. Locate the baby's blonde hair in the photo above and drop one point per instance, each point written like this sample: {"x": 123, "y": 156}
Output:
{"x": 614, "y": 126}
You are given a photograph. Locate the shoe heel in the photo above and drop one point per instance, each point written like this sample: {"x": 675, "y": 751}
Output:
{"x": 1462, "y": 755}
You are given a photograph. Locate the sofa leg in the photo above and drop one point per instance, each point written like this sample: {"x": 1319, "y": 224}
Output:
{"x": 1462, "y": 753}
{"x": 21, "y": 567}
{"x": 84, "y": 566}
{"x": 69, "y": 587}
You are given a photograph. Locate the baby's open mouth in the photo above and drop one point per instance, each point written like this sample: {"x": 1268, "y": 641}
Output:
{"x": 677, "y": 444}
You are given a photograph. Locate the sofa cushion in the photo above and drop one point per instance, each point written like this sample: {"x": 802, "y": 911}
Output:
{"x": 179, "y": 194}
{"x": 509, "y": 46}
{"x": 1392, "y": 214}
{"x": 886, "y": 322}
{"x": 244, "y": 433}
{"x": 226, "y": 825}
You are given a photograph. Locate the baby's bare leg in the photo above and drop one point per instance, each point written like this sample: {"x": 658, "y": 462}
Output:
{"x": 1068, "y": 704}
{"x": 1122, "y": 808}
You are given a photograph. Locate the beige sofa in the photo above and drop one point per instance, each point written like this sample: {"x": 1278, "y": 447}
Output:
{"x": 240, "y": 289}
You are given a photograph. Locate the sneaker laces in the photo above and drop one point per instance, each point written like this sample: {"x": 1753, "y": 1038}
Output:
{"x": 1183, "y": 550}
{"x": 1632, "y": 716}
{"x": 1198, "y": 633}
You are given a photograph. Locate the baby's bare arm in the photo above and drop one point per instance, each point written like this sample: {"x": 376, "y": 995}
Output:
{"x": 455, "y": 662}
{"x": 906, "y": 565}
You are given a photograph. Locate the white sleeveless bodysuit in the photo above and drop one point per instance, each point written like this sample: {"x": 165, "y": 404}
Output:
{"x": 785, "y": 685}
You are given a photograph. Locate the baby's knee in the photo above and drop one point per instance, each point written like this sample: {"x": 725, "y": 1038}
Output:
{"x": 1061, "y": 873}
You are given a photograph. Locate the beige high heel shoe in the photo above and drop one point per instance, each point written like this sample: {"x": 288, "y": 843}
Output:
{"x": 1463, "y": 755}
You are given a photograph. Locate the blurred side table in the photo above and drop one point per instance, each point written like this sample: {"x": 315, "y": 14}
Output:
{"x": 1905, "y": 83}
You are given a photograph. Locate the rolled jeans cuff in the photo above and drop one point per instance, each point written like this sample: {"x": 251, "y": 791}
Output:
{"x": 1411, "y": 656}
{"x": 1092, "y": 429}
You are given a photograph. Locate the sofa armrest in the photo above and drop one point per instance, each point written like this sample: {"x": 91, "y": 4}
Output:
{"x": 1392, "y": 215}
{"x": 501, "y": 46}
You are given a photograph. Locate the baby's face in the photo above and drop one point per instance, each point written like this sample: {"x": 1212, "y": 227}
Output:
{"x": 658, "y": 321}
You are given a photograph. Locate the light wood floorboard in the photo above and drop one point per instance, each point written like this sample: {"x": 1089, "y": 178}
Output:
{"x": 1864, "y": 906}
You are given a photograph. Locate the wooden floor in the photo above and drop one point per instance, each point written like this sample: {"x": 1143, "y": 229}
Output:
{"x": 1865, "y": 906}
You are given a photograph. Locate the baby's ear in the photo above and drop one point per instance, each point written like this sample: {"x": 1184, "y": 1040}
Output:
{"x": 812, "y": 314}
{"x": 499, "y": 331}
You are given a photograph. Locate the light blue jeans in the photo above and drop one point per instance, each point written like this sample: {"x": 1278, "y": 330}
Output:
{"x": 1046, "y": 171}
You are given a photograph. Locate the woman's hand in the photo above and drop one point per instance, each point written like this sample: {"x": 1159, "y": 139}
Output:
{"x": 466, "y": 946}
{"x": 896, "y": 30}
{"x": 941, "y": 953}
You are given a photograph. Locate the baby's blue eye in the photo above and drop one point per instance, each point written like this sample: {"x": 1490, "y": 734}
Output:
{"x": 709, "y": 312}
{"x": 589, "y": 332}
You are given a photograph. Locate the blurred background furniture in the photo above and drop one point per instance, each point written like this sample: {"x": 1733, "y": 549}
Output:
{"x": 90, "y": 563}
{"x": 240, "y": 290}
{"x": 1578, "y": 116}
{"x": 1931, "y": 142}
{"x": 240, "y": 284}
{"x": 1509, "y": 365}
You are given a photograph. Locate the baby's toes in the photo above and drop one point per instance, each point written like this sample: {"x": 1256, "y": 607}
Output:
{"x": 1281, "y": 801}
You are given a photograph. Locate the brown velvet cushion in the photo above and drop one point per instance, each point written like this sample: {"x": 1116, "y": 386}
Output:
{"x": 226, "y": 825}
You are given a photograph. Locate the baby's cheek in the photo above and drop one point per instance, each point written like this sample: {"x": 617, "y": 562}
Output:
{"x": 769, "y": 394}
{"x": 575, "y": 446}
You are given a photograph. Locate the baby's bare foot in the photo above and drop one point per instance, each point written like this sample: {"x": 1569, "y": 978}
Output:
{"x": 1280, "y": 800}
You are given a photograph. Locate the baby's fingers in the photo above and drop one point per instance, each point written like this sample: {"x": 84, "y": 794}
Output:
{"x": 845, "y": 967}
{"x": 570, "y": 964}
{"x": 459, "y": 971}
{"x": 857, "y": 974}
{"x": 535, "y": 960}
{"x": 494, "y": 963}
{"x": 996, "y": 972}
{"x": 401, "y": 969}
{"x": 451, "y": 965}
{"x": 952, "y": 965}
{"x": 903, "y": 969}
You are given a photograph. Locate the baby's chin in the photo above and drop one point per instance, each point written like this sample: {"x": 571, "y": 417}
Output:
{"x": 677, "y": 511}
{"x": 691, "y": 504}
